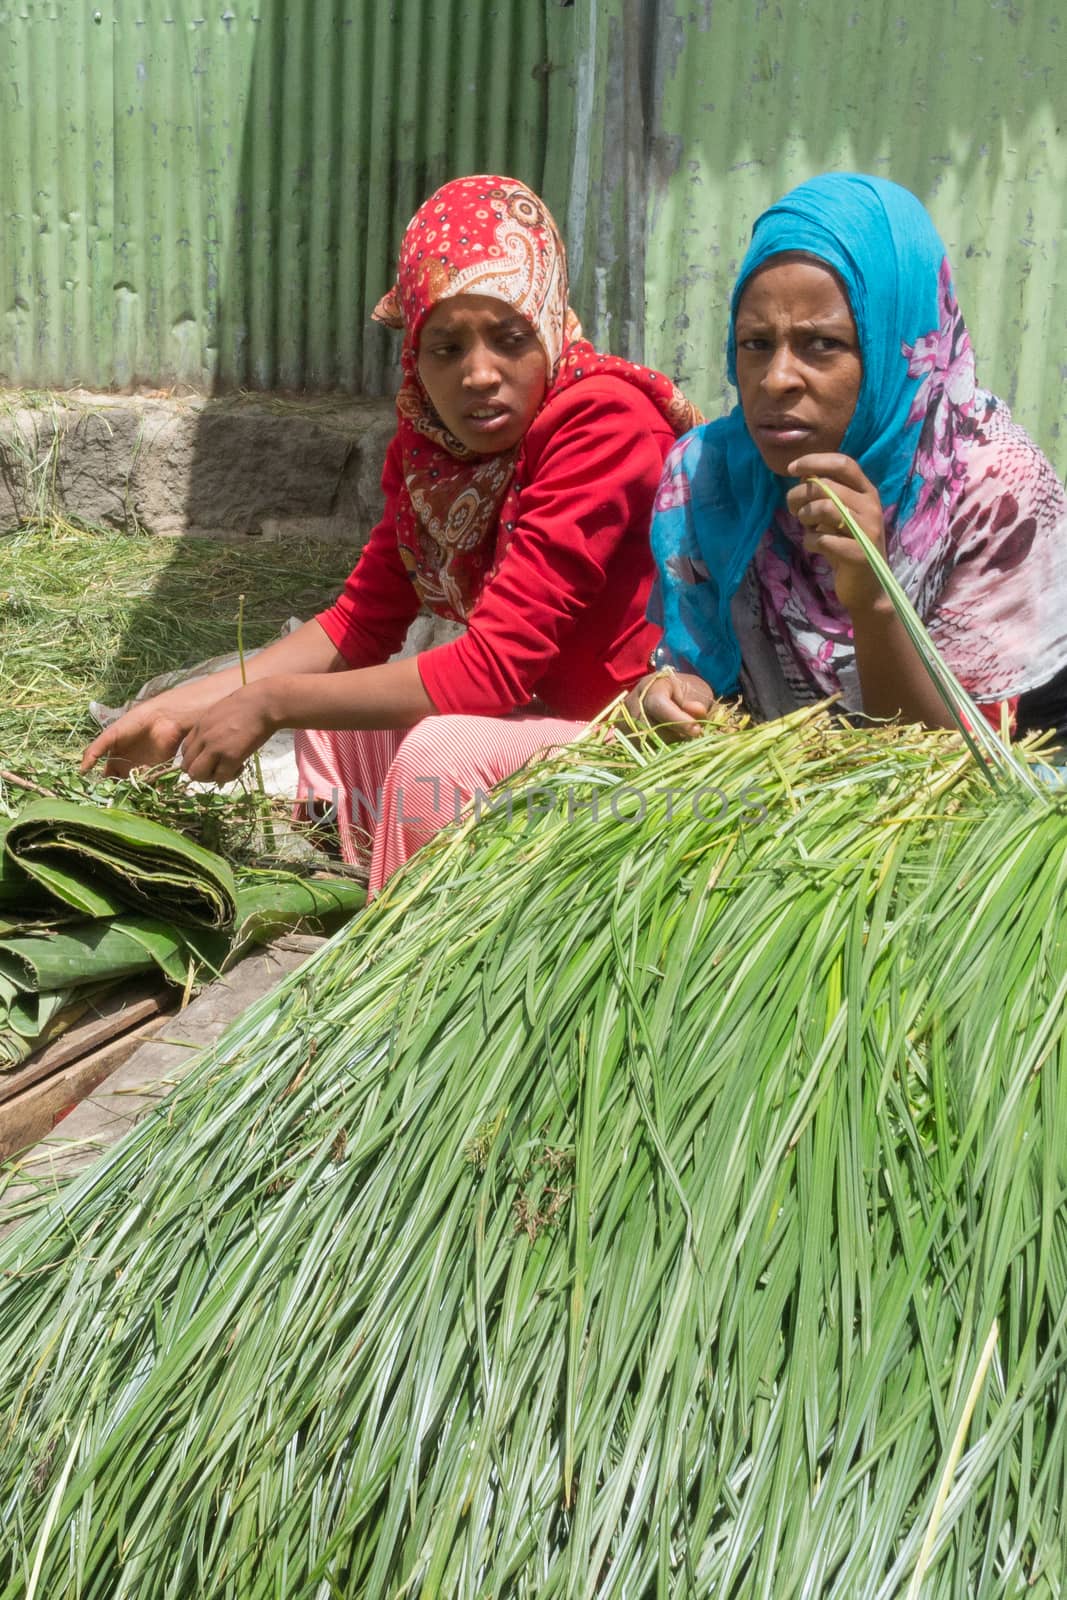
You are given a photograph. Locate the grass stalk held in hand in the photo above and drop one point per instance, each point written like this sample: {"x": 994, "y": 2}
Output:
{"x": 993, "y": 754}
{"x": 268, "y": 829}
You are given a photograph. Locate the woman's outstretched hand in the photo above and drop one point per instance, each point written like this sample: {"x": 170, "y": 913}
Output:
{"x": 151, "y": 733}
{"x": 674, "y": 703}
{"x": 148, "y": 735}
{"x": 857, "y": 588}
{"x": 214, "y": 730}
{"x": 215, "y": 740}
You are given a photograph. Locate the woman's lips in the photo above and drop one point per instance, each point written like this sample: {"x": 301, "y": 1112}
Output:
{"x": 494, "y": 419}
{"x": 785, "y": 432}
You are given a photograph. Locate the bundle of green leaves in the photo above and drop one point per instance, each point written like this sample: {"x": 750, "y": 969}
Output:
{"x": 90, "y": 895}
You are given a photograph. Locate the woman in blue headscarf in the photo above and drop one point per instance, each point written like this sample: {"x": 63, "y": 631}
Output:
{"x": 853, "y": 364}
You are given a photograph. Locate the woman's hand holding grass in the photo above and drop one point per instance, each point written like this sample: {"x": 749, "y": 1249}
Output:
{"x": 892, "y": 677}
{"x": 675, "y": 703}
{"x": 221, "y": 740}
{"x": 855, "y": 583}
{"x": 149, "y": 734}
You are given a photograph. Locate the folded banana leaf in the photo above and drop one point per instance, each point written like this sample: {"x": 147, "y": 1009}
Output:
{"x": 180, "y": 954}
{"x": 69, "y": 876}
{"x": 44, "y": 976}
{"x": 89, "y": 952}
{"x": 26, "y": 1020}
{"x": 19, "y": 894}
{"x": 102, "y": 862}
{"x": 271, "y": 903}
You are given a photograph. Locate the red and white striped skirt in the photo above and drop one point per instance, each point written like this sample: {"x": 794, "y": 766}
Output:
{"x": 393, "y": 789}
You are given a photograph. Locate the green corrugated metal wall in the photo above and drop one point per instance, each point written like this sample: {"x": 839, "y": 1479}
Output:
{"x": 214, "y": 194}
{"x": 207, "y": 192}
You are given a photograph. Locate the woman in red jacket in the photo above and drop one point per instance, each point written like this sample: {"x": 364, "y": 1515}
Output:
{"x": 518, "y": 490}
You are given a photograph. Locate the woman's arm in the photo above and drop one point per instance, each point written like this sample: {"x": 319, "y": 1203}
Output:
{"x": 362, "y": 629}
{"x": 895, "y": 684}
{"x": 220, "y": 741}
{"x": 893, "y": 681}
{"x": 149, "y": 733}
{"x": 300, "y": 682}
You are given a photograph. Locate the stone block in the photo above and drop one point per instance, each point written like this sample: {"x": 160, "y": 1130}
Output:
{"x": 224, "y": 467}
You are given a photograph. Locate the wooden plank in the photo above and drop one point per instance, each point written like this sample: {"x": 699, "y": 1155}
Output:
{"x": 109, "y": 1017}
{"x": 33, "y": 1114}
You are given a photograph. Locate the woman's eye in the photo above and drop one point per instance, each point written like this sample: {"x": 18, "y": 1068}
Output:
{"x": 824, "y": 342}
{"x": 754, "y": 342}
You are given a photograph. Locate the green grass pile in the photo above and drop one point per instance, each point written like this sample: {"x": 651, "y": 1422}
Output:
{"x": 92, "y": 615}
{"x": 678, "y": 1208}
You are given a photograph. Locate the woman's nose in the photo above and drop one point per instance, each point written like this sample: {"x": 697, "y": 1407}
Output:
{"x": 781, "y": 373}
{"x": 480, "y": 370}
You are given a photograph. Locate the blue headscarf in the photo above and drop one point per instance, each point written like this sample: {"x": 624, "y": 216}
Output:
{"x": 718, "y": 499}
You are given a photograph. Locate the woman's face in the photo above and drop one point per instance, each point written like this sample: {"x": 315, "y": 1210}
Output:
{"x": 799, "y": 367}
{"x": 483, "y": 369}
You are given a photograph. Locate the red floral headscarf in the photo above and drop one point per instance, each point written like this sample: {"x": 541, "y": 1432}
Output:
{"x": 491, "y": 236}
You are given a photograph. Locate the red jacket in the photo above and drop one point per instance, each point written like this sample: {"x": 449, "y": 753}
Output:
{"x": 562, "y": 620}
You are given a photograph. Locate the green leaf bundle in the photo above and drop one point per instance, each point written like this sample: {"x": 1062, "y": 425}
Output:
{"x": 662, "y": 1198}
{"x": 25, "y": 1019}
{"x": 72, "y": 878}
{"x": 101, "y": 861}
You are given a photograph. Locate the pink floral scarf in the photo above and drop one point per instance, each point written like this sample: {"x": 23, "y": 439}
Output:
{"x": 975, "y": 516}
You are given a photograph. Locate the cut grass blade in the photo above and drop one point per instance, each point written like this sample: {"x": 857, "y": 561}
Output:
{"x": 993, "y": 754}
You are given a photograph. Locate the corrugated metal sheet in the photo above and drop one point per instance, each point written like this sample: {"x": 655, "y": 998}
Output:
{"x": 964, "y": 102}
{"x": 354, "y": 114}
{"x": 215, "y": 192}
{"x": 56, "y": 190}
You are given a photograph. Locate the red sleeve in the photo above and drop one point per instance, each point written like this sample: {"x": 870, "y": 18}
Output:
{"x": 590, "y": 467}
{"x": 379, "y": 602}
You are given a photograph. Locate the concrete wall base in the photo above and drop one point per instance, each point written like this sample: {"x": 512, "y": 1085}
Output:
{"x": 228, "y": 467}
